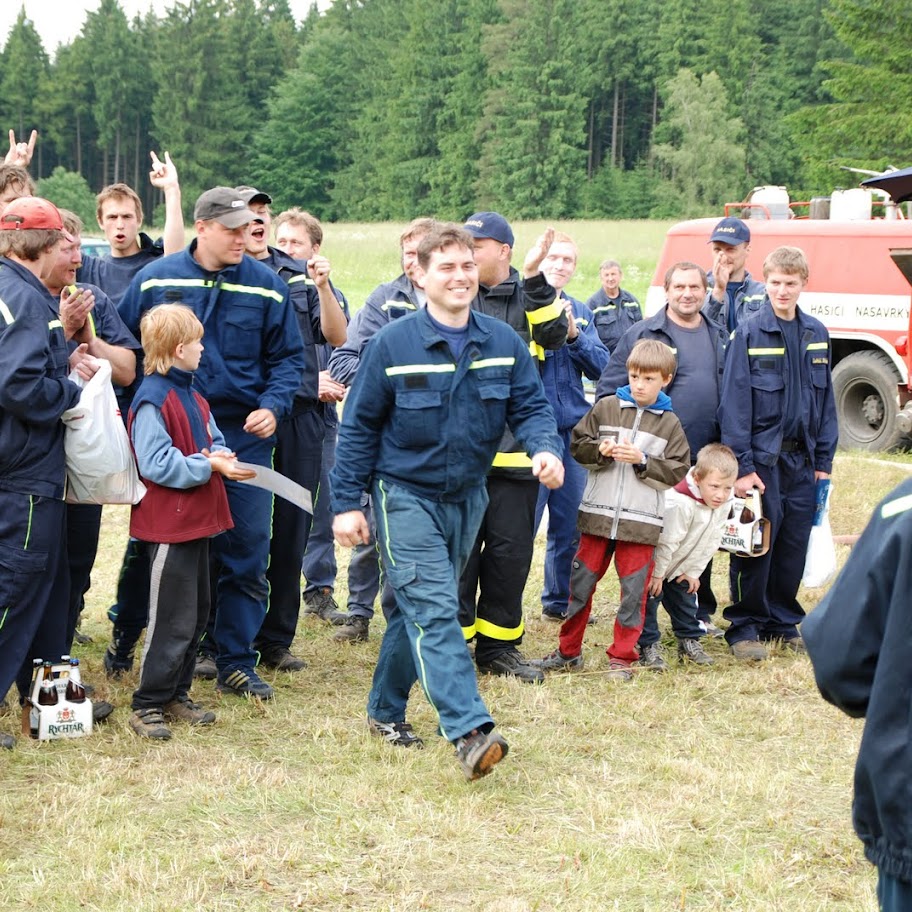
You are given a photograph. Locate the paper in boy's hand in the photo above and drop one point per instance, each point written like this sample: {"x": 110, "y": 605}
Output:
{"x": 278, "y": 484}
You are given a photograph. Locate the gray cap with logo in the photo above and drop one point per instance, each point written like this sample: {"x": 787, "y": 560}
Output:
{"x": 223, "y": 205}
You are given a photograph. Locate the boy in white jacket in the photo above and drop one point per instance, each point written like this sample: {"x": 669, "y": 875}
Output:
{"x": 696, "y": 510}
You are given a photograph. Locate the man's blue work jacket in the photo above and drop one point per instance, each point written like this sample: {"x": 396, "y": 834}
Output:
{"x": 421, "y": 420}
{"x": 755, "y": 392}
{"x": 254, "y": 355}
{"x": 563, "y": 368}
{"x": 34, "y": 389}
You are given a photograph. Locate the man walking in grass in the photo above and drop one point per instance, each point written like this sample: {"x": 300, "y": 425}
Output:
{"x": 431, "y": 400}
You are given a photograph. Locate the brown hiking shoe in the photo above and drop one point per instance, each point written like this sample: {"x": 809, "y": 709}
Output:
{"x": 320, "y": 604}
{"x": 479, "y": 753}
{"x": 183, "y": 709}
{"x": 150, "y": 723}
{"x": 749, "y": 651}
{"x": 354, "y": 630}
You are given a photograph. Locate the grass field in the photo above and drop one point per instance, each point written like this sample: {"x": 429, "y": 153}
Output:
{"x": 704, "y": 789}
{"x": 363, "y": 255}
{"x": 725, "y": 788}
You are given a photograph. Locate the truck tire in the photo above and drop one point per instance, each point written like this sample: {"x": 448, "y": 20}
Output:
{"x": 866, "y": 385}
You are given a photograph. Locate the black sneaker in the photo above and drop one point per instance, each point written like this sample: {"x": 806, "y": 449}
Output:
{"x": 205, "y": 668}
{"x": 120, "y": 653}
{"x": 479, "y": 753}
{"x": 399, "y": 734}
{"x": 554, "y": 618}
{"x": 282, "y": 659}
{"x": 692, "y": 651}
{"x": 320, "y": 603}
{"x": 101, "y": 709}
{"x": 511, "y": 664}
{"x": 557, "y": 661}
{"x": 354, "y": 630}
{"x": 244, "y": 683}
{"x": 651, "y": 657}
{"x": 150, "y": 723}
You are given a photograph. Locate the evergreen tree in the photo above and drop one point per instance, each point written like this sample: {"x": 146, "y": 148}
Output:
{"x": 25, "y": 67}
{"x": 702, "y": 174}
{"x": 868, "y": 122}
{"x": 533, "y": 157}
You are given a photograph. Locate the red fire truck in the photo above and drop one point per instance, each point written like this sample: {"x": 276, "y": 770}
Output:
{"x": 859, "y": 287}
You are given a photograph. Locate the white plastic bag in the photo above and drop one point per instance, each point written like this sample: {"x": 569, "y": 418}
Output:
{"x": 820, "y": 563}
{"x": 99, "y": 459}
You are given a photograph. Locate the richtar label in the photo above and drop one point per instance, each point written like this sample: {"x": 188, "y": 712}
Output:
{"x": 65, "y": 720}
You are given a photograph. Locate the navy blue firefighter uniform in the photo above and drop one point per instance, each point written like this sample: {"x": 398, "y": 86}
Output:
{"x": 420, "y": 430}
{"x": 34, "y": 393}
{"x": 759, "y": 403}
{"x": 254, "y": 359}
{"x": 491, "y": 587}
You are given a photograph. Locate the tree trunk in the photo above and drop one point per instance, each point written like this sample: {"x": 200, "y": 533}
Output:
{"x": 614, "y": 127}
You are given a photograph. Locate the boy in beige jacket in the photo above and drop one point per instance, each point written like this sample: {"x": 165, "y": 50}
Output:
{"x": 696, "y": 511}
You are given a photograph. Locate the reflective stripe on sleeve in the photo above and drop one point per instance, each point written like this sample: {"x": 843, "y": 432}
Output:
{"x": 512, "y": 461}
{"x": 895, "y": 507}
{"x": 6, "y": 313}
{"x": 405, "y": 305}
{"x": 550, "y": 311}
{"x": 297, "y": 279}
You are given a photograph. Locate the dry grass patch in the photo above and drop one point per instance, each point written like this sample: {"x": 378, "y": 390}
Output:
{"x": 725, "y": 788}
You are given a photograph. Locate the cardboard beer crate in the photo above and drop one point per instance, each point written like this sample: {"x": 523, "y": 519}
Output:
{"x": 746, "y": 539}
{"x": 61, "y": 720}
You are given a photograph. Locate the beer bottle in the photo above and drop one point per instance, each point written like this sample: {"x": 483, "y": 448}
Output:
{"x": 75, "y": 692}
{"x": 47, "y": 696}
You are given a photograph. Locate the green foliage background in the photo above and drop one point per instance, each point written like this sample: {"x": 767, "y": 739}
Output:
{"x": 385, "y": 109}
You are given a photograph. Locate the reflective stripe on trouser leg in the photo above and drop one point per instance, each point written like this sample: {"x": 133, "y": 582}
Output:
{"x": 503, "y": 564}
{"x": 424, "y": 544}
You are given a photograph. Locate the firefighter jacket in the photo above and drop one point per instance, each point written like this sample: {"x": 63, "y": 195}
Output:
{"x": 755, "y": 389}
{"x": 254, "y": 354}
{"x": 385, "y": 303}
{"x": 614, "y": 316}
{"x": 748, "y": 301}
{"x": 531, "y": 307}
{"x": 34, "y": 389}
{"x": 418, "y": 419}
{"x": 305, "y": 300}
{"x": 623, "y": 501}
{"x": 858, "y": 640}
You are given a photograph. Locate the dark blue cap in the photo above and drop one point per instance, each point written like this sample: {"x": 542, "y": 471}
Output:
{"x": 490, "y": 225}
{"x": 731, "y": 231}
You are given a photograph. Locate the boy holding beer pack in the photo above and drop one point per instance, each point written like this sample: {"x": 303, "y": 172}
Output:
{"x": 181, "y": 455}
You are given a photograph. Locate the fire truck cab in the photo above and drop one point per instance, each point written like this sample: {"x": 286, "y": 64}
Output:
{"x": 859, "y": 288}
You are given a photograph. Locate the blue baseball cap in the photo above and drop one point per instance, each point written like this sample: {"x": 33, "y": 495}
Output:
{"x": 490, "y": 225}
{"x": 730, "y": 231}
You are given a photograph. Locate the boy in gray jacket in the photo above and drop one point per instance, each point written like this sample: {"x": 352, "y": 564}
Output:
{"x": 634, "y": 448}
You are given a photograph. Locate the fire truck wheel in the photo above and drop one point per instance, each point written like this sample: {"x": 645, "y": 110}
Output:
{"x": 866, "y": 385}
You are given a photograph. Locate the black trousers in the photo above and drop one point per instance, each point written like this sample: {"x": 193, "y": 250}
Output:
{"x": 298, "y": 455}
{"x": 491, "y": 586}
{"x": 178, "y": 608}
